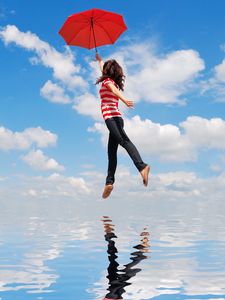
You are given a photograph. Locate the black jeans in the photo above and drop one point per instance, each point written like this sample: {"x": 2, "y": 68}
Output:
{"x": 117, "y": 136}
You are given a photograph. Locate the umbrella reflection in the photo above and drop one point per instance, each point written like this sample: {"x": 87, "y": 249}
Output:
{"x": 118, "y": 279}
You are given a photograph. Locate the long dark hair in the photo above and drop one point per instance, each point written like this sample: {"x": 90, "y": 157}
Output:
{"x": 111, "y": 69}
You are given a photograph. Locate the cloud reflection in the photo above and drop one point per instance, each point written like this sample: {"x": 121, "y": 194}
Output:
{"x": 187, "y": 248}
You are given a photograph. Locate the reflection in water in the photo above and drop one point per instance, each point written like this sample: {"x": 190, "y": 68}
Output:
{"x": 44, "y": 246}
{"x": 118, "y": 279}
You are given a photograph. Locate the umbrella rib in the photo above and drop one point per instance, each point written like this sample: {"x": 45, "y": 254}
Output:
{"x": 78, "y": 32}
{"x": 120, "y": 25}
{"x": 90, "y": 36}
{"x": 106, "y": 32}
{"x": 106, "y": 13}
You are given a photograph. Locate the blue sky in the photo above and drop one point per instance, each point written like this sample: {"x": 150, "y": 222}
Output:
{"x": 173, "y": 53}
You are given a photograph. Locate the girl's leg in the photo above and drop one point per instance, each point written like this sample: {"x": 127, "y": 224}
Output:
{"x": 115, "y": 126}
{"x": 112, "y": 159}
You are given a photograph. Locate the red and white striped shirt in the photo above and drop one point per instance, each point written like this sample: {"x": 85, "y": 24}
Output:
{"x": 109, "y": 102}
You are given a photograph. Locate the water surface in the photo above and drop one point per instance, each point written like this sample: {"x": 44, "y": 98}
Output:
{"x": 65, "y": 249}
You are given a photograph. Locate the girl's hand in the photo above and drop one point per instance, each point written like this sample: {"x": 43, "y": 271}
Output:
{"x": 98, "y": 57}
{"x": 129, "y": 103}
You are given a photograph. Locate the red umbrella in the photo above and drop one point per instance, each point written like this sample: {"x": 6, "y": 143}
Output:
{"x": 92, "y": 28}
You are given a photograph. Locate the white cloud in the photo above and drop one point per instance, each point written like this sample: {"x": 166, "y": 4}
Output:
{"x": 218, "y": 165}
{"x": 10, "y": 140}
{"x": 62, "y": 64}
{"x": 216, "y": 168}
{"x": 205, "y": 133}
{"x": 165, "y": 141}
{"x": 151, "y": 77}
{"x": 88, "y": 105}
{"x": 71, "y": 181}
{"x": 31, "y": 193}
{"x": 159, "y": 79}
{"x": 54, "y": 93}
{"x": 56, "y": 185}
{"x": 178, "y": 179}
{"x": 171, "y": 185}
{"x": 220, "y": 71}
{"x": 223, "y": 159}
{"x": 214, "y": 86}
{"x": 38, "y": 161}
{"x": 170, "y": 142}
{"x": 88, "y": 186}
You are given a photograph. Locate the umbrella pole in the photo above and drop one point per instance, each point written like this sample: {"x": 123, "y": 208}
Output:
{"x": 92, "y": 26}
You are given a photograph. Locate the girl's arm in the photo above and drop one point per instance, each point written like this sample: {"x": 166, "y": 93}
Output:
{"x": 117, "y": 93}
{"x": 112, "y": 87}
{"x": 100, "y": 61}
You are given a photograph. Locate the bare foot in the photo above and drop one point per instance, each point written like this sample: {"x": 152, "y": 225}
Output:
{"x": 107, "y": 191}
{"x": 144, "y": 174}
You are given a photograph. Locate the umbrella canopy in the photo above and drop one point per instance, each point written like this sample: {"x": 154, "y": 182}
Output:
{"x": 92, "y": 28}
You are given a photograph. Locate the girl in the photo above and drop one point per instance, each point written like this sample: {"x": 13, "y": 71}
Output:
{"x": 112, "y": 82}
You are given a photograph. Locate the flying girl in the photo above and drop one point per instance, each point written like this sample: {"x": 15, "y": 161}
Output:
{"x": 112, "y": 82}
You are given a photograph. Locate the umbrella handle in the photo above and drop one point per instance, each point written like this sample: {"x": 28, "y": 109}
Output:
{"x": 92, "y": 26}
